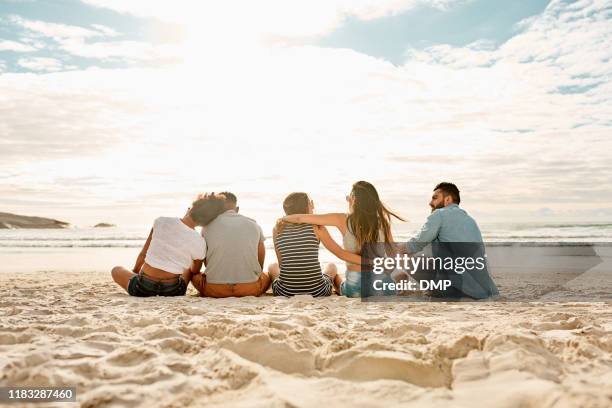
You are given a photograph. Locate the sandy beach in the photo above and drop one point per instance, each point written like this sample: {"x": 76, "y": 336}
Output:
{"x": 168, "y": 137}
{"x": 80, "y": 329}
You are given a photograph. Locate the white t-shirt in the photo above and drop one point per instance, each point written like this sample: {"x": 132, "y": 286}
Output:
{"x": 174, "y": 246}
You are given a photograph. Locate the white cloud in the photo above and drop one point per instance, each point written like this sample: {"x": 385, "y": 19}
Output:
{"x": 490, "y": 118}
{"x": 132, "y": 50}
{"x": 94, "y": 42}
{"x": 284, "y": 18}
{"x": 236, "y": 30}
{"x": 207, "y": 30}
{"x": 370, "y": 10}
{"x": 107, "y": 31}
{"x": 6, "y": 45}
{"x": 54, "y": 30}
{"x": 531, "y": 76}
{"x": 41, "y": 64}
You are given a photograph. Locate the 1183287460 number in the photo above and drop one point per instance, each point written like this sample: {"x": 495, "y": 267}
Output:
{"x": 37, "y": 394}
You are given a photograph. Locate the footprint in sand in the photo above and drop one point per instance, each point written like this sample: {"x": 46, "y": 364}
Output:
{"x": 76, "y": 321}
{"x": 401, "y": 330}
{"x": 131, "y": 356}
{"x": 177, "y": 344}
{"x": 194, "y": 311}
{"x": 391, "y": 365}
{"x": 280, "y": 356}
{"x": 10, "y": 338}
{"x": 12, "y": 311}
{"x": 158, "y": 332}
{"x": 564, "y": 322}
{"x": 145, "y": 321}
{"x": 458, "y": 348}
{"x": 522, "y": 352}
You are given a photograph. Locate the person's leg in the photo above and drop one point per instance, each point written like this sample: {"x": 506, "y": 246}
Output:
{"x": 257, "y": 288}
{"x": 331, "y": 270}
{"x": 338, "y": 284}
{"x": 198, "y": 281}
{"x": 273, "y": 271}
{"x": 422, "y": 274}
{"x": 217, "y": 290}
{"x": 122, "y": 276}
{"x": 399, "y": 275}
{"x": 351, "y": 287}
{"x": 403, "y": 278}
{"x": 264, "y": 283}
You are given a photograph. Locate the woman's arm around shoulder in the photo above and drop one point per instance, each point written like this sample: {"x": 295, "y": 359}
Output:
{"x": 337, "y": 220}
{"x": 333, "y": 246}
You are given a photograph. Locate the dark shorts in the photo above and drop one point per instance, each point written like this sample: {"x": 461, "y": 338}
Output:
{"x": 142, "y": 286}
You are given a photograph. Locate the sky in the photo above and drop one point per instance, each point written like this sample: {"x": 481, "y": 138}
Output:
{"x": 123, "y": 110}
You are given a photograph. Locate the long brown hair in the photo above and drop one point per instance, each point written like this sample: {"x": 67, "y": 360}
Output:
{"x": 370, "y": 215}
{"x": 294, "y": 203}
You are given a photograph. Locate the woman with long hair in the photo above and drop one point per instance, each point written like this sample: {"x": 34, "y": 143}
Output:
{"x": 368, "y": 223}
{"x": 297, "y": 250}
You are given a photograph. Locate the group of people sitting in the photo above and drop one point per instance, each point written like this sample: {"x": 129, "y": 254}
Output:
{"x": 231, "y": 247}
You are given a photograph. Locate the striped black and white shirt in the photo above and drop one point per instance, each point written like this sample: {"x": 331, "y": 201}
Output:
{"x": 300, "y": 269}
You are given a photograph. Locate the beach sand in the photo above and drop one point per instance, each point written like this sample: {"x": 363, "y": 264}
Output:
{"x": 80, "y": 329}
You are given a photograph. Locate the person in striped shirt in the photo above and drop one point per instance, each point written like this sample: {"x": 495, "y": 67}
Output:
{"x": 297, "y": 249}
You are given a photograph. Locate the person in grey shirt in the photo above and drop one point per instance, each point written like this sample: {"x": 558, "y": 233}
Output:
{"x": 234, "y": 257}
{"x": 451, "y": 231}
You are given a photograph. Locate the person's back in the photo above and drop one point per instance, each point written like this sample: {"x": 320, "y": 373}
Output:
{"x": 232, "y": 254}
{"x": 174, "y": 245}
{"x": 457, "y": 225}
{"x": 447, "y": 221}
{"x": 300, "y": 269}
{"x": 297, "y": 249}
{"x": 357, "y": 280}
{"x": 452, "y": 232}
{"x": 234, "y": 257}
{"x": 164, "y": 265}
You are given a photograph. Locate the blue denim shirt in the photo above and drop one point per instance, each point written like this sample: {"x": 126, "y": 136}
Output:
{"x": 454, "y": 225}
{"x": 448, "y": 224}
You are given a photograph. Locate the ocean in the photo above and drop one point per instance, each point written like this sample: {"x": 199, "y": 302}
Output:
{"x": 99, "y": 249}
{"x": 117, "y": 237}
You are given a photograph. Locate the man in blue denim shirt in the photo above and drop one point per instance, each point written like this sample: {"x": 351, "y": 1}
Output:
{"x": 450, "y": 224}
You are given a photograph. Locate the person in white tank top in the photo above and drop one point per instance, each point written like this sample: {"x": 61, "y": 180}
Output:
{"x": 163, "y": 266}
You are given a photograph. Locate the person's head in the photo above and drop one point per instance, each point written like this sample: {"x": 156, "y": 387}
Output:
{"x": 444, "y": 194}
{"x": 295, "y": 203}
{"x": 298, "y": 203}
{"x": 231, "y": 202}
{"x": 368, "y": 215}
{"x": 206, "y": 208}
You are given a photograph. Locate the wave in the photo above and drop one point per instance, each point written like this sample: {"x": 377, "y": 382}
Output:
{"x": 553, "y": 237}
{"x": 269, "y": 248}
{"x": 557, "y": 234}
{"x": 73, "y": 246}
{"x": 139, "y": 239}
{"x": 535, "y": 226}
